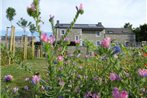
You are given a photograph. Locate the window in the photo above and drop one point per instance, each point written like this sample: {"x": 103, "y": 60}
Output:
{"x": 76, "y": 37}
{"x": 110, "y": 32}
{"x": 97, "y": 34}
{"x": 62, "y": 32}
{"x": 97, "y": 43}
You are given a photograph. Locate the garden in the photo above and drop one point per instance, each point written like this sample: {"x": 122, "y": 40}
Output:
{"x": 114, "y": 71}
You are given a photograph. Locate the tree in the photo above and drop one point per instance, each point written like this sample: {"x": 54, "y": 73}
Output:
{"x": 128, "y": 25}
{"x": 32, "y": 30}
{"x": 24, "y": 24}
{"x": 10, "y": 14}
{"x": 141, "y": 33}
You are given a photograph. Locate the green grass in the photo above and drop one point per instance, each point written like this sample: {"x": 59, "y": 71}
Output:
{"x": 19, "y": 74}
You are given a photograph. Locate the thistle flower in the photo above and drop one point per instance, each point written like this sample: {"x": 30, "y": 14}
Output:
{"x": 80, "y": 9}
{"x": 116, "y": 50}
{"x": 123, "y": 94}
{"x": 91, "y": 95}
{"x": 77, "y": 41}
{"x": 44, "y": 37}
{"x": 26, "y": 88}
{"x": 51, "y": 39}
{"x": 114, "y": 76}
{"x": 8, "y": 78}
{"x": 60, "y": 58}
{"x": 35, "y": 79}
{"x": 117, "y": 94}
{"x": 106, "y": 42}
{"x": 142, "y": 72}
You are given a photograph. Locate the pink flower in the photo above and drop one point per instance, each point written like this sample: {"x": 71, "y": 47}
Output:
{"x": 8, "y": 78}
{"x": 117, "y": 94}
{"x": 106, "y": 42}
{"x": 77, "y": 41}
{"x": 123, "y": 94}
{"x": 51, "y": 39}
{"x": 35, "y": 79}
{"x": 81, "y": 7}
{"x": 142, "y": 72}
{"x": 44, "y": 37}
{"x": 114, "y": 76}
{"x": 33, "y": 7}
{"x": 60, "y": 58}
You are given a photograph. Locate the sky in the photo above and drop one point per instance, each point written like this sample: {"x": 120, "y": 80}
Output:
{"x": 112, "y": 13}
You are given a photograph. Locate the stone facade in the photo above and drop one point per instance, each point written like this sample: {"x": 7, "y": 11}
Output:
{"x": 95, "y": 33}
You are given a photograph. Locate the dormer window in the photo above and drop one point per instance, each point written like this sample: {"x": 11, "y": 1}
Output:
{"x": 97, "y": 34}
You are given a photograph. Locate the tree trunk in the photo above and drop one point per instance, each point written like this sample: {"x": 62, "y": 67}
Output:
{"x": 6, "y": 38}
{"x": 11, "y": 44}
{"x": 13, "y": 41}
{"x": 32, "y": 47}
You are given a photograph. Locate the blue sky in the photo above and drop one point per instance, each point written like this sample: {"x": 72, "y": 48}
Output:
{"x": 112, "y": 13}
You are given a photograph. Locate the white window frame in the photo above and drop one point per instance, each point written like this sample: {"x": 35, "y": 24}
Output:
{"x": 99, "y": 34}
{"x": 61, "y": 32}
{"x": 99, "y": 43}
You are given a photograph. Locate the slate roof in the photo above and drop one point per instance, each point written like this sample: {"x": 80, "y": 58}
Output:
{"x": 118, "y": 31}
{"x": 82, "y": 26}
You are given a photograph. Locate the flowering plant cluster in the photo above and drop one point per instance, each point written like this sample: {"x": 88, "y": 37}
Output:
{"x": 112, "y": 72}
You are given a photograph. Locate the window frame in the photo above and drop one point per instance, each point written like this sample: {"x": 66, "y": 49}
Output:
{"x": 97, "y": 34}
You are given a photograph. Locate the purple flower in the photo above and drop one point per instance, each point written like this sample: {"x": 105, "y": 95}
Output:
{"x": 91, "y": 95}
{"x": 26, "y": 88}
{"x": 51, "y": 39}
{"x": 35, "y": 79}
{"x": 15, "y": 89}
{"x": 116, "y": 49}
{"x": 114, "y": 76}
{"x": 8, "y": 78}
{"x": 117, "y": 94}
{"x": 142, "y": 72}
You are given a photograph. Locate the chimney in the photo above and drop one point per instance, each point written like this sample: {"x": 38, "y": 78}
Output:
{"x": 58, "y": 22}
{"x": 99, "y": 24}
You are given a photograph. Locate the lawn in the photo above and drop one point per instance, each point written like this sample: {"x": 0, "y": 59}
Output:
{"x": 19, "y": 72}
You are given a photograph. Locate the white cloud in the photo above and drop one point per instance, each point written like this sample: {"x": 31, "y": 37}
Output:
{"x": 112, "y": 13}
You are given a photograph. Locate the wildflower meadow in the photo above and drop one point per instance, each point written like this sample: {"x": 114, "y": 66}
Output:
{"x": 113, "y": 71}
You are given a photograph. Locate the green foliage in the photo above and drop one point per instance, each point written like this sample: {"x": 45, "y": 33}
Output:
{"x": 23, "y": 23}
{"x": 141, "y": 33}
{"x": 10, "y": 13}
